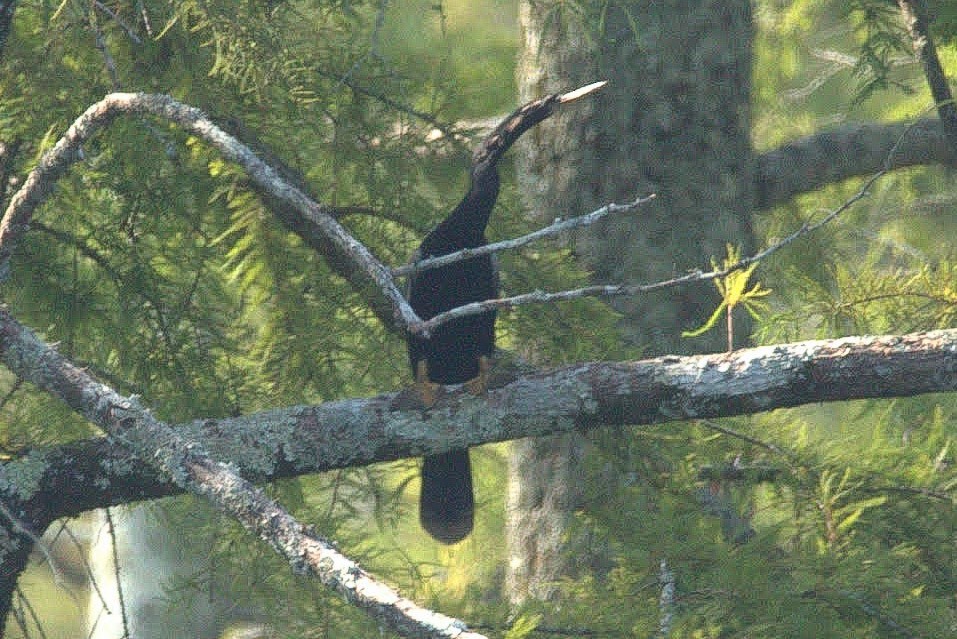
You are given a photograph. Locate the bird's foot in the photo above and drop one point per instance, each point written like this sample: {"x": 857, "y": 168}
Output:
{"x": 429, "y": 392}
{"x": 479, "y": 384}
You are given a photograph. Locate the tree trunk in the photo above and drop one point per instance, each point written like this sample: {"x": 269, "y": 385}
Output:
{"x": 674, "y": 120}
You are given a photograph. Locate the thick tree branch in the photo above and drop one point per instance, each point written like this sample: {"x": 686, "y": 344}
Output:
{"x": 307, "y": 439}
{"x": 191, "y": 468}
{"x": 844, "y": 152}
{"x": 46, "y": 485}
{"x": 352, "y": 259}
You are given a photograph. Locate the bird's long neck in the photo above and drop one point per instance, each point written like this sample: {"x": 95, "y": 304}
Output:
{"x": 465, "y": 226}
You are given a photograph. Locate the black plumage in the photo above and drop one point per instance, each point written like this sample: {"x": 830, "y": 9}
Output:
{"x": 458, "y": 351}
{"x": 453, "y": 353}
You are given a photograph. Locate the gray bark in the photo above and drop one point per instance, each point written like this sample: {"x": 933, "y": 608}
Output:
{"x": 674, "y": 120}
{"x": 49, "y": 484}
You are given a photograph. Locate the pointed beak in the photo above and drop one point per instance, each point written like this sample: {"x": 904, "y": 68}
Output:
{"x": 582, "y": 92}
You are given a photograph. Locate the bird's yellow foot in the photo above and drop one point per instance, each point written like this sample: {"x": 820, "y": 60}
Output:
{"x": 429, "y": 392}
{"x": 479, "y": 384}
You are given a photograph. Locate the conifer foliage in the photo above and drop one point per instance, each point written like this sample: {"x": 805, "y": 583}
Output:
{"x": 161, "y": 270}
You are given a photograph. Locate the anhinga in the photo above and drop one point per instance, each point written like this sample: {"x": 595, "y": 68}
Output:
{"x": 459, "y": 351}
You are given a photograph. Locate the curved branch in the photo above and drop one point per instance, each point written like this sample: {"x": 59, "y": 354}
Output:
{"x": 300, "y": 440}
{"x": 191, "y": 468}
{"x": 349, "y": 258}
{"x": 848, "y": 151}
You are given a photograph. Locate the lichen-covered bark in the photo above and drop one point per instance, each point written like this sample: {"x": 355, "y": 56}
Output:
{"x": 46, "y": 485}
{"x": 674, "y": 120}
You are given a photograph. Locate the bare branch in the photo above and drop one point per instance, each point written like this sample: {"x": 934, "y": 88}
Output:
{"x": 362, "y": 267}
{"x": 616, "y": 290}
{"x": 557, "y": 228}
{"x": 108, "y": 61}
{"x": 191, "y": 468}
{"x": 130, "y": 33}
{"x": 23, "y": 528}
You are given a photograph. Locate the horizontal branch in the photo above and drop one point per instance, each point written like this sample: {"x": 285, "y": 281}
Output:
{"x": 190, "y": 467}
{"x": 617, "y": 290}
{"x": 844, "y": 152}
{"x": 307, "y": 439}
{"x": 425, "y": 327}
{"x": 557, "y": 228}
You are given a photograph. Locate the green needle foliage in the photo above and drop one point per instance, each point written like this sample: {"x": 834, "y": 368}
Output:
{"x": 155, "y": 266}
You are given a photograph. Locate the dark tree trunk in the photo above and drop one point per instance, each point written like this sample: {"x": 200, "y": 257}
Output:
{"x": 7, "y": 9}
{"x": 674, "y": 120}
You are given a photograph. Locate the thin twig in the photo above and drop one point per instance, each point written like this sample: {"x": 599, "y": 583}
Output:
{"x": 910, "y": 490}
{"x": 145, "y": 17}
{"x": 617, "y": 290}
{"x": 108, "y": 59}
{"x": 557, "y": 228}
{"x": 666, "y": 600}
{"x": 447, "y": 130}
{"x": 774, "y": 448}
{"x": 38, "y": 543}
{"x": 25, "y": 601}
{"x": 373, "y": 51}
{"x": 17, "y": 384}
{"x": 81, "y": 553}
{"x": 111, "y": 531}
{"x": 130, "y": 33}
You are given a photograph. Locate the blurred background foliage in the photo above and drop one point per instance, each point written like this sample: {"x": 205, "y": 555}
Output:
{"x": 154, "y": 266}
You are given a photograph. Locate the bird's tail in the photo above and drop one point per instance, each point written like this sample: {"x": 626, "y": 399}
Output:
{"x": 446, "y": 505}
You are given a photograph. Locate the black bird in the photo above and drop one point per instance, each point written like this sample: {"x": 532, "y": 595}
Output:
{"x": 459, "y": 351}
